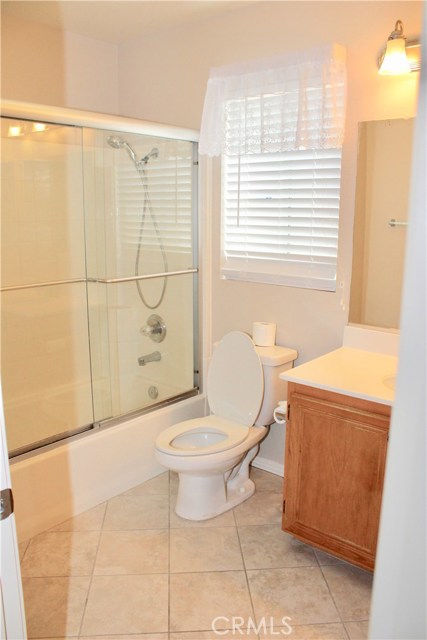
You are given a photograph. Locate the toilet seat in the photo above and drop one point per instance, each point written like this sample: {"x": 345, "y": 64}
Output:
{"x": 232, "y": 432}
{"x": 235, "y": 390}
{"x": 235, "y": 384}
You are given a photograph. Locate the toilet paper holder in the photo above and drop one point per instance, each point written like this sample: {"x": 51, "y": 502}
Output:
{"x": 281, "y": 411}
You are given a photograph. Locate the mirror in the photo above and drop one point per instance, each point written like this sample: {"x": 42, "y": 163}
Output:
{"x": 382, "y": 196}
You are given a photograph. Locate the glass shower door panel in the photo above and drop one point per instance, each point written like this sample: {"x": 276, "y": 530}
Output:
{"x": 45, "y": 364}
{"x": 145, "y": 371}
{"x": 45, "y": 361}
{"x": 140, "y": 201}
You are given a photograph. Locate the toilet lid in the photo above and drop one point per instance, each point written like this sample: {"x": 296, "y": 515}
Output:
{"x": 235, "y": 384}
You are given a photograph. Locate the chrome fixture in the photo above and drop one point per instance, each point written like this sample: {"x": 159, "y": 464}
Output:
{"x": 400, "y": 56}
{"x": 397, "y": 223}
{"x": 155, "y": 328}
{"x": 153, "y": 392}
{"x": 150, "y": 357}
{"x": 117, "y": 142}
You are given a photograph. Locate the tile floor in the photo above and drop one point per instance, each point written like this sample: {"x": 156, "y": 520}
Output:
{"x": 132, "y": 569}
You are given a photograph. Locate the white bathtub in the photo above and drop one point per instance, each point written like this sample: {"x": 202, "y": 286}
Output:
{"x": 65, "y": 480}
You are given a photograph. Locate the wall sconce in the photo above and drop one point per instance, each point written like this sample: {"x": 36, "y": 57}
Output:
{"x": 399, "y": 56}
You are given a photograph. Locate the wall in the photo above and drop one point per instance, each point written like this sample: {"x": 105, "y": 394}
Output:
{"x": 47, "y": 66}
{"x": 171, "y": 89}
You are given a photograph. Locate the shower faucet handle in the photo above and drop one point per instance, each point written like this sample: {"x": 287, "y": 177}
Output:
{"x": 155, "y": 328}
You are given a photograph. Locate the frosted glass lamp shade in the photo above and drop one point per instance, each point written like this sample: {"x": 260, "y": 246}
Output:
{"x": 395, "y": 61}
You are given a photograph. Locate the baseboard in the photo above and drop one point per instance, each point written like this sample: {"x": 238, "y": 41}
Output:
{"x": 268, "y": 465}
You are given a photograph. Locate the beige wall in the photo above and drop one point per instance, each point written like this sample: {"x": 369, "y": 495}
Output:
{"x": 173, "y": 69}
{"x": 48, "y": 66}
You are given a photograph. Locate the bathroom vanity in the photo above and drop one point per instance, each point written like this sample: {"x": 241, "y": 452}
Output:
{"x": 336, "y": 445}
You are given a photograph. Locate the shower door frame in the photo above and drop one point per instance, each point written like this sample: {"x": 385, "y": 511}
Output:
{"x": 79, "y": 118}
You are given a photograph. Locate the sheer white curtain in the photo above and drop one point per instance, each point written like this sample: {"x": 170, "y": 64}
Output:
{"x": 289, "y": 102}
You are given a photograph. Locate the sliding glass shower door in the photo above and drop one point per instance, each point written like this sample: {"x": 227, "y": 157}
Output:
{"x": 98, "y": 280}
{"x": 45, "y": 365}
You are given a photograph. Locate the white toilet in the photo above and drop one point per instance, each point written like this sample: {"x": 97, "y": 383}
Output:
{"x": 212, "y": 454}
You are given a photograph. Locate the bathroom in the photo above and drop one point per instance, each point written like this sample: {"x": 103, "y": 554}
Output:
{"x": 157, "y": 71}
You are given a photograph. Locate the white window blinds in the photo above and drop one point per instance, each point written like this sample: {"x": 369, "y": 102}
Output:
{"x": 280, "y": 217}
{"x": 278, "y": 124}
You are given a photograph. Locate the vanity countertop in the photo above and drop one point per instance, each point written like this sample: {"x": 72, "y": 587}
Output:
{"x": 354, "y": 372}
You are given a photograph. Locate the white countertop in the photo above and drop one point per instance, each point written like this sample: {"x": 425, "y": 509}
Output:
{"x": 354, "y": 372}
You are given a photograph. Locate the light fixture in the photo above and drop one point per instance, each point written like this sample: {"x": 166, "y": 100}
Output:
{"x": 400, "y": 56}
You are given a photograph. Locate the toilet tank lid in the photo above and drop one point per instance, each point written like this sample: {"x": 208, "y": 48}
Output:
{"x": 276, "y": 355}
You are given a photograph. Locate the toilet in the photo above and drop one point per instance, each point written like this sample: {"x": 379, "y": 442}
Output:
{"x": 212, "y": 454}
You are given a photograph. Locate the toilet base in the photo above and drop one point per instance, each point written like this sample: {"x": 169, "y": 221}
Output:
{"x": 201, "y": 497}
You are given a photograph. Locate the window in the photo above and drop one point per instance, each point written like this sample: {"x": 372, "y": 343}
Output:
{"x": 280, "y": 217}
{"x": 278, "y": 125}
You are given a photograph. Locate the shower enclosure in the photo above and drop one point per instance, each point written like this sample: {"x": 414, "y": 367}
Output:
{"x": 98, "y": 273}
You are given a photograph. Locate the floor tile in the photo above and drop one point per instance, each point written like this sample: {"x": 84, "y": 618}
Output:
{"x": 357, "y": 630}
{"x": 264, "y": 507}
{"x": 200, "y": 600}
{"x": 61, "y": 553}
{"x": 91, "y": 520}
{"x": 245, "y": 633}
{"x": 137, "y": 512}
{"x": 126, "y": 605}
{"x": 218, "y": 549}
{"x": 267, "y": 546}
{"x": 133, "y": 636}
{"x": 154, "y": 487}
{"x": 132, "y": 552}
{"x": 351, "y": 590}
{"x": 300, "y": 594}
{"x": 265, "y": 481}
{"x": 324, "y": 558}
{"x": 54, "y": 606}
{"x": 306, "y": 632}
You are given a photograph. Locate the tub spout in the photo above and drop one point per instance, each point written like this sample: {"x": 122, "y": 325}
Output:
{"x": 150, "y": 357}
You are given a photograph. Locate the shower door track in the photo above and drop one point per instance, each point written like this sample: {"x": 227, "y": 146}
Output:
{"x": 53, "y": 283}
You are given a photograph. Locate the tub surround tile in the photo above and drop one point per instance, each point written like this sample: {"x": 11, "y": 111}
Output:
{"x": 300, "y": 594}
{"x": 137, "y": 512}
{"x": 351, "y": 589}
{"x": 217, "y": 549}
{"x": 197, "y": 599}
{"x": 91, "y": 520}
{"x": 126, "y": 605}
{"x": 54, "y": 606}
{"x": 133, "y": 552}
{"x": 61, "y": 553}
{"x": 264, "y": 507}
{"x": 267, "y": 546}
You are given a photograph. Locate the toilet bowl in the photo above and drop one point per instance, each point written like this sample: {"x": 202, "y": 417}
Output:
{"x": 212, "y": 454}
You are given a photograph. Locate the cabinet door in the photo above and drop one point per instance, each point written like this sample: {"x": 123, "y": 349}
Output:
{"x": 334, "y": 470}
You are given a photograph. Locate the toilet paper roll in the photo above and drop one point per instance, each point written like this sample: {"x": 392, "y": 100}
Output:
{"x": 264, "y": 334}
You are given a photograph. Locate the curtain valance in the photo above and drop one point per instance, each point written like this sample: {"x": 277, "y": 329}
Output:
{"x": 288, "y": 102}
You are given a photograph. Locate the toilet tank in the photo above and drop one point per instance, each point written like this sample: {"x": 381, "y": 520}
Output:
{"x": 274, "y": 361}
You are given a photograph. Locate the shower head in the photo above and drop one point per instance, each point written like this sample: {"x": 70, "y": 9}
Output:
{"x": 117, "y": 142}
{"x": 120, "y": 143}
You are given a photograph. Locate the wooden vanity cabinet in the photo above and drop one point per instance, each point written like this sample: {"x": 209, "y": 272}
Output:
{"x": 334, "y": 469}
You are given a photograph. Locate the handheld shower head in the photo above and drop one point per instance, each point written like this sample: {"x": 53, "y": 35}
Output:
{"x": 118, "y": 142}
